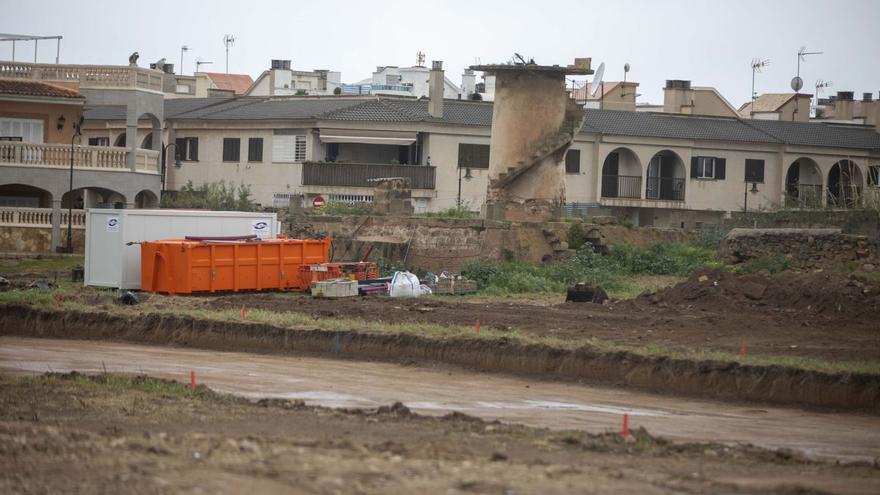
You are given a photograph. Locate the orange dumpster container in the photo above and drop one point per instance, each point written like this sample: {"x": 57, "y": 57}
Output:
{"x": 180, "y": 266}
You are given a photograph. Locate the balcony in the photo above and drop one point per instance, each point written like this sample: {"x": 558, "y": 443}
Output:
{"x": 665, "y": 188}
{"x": 108, "y": 158}
{"x": 86, "y": 76}
{"x": 622, "y": 186}
{"x": 39, "y": 218}
{"x": 360, "y": 174}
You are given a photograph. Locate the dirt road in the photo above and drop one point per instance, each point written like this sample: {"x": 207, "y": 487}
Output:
{"x": 439, "y": 390}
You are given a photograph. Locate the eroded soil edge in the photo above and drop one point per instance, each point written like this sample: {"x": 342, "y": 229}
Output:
{"x": 725, "y": 381}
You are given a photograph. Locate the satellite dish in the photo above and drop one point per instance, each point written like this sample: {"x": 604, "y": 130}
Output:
{"x": 626, "y": 67}
{"x": 797, "y": 83}
{"x": 597, "y": 79}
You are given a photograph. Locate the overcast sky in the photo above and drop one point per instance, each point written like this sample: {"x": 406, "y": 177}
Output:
{"x": 708, "y": 42}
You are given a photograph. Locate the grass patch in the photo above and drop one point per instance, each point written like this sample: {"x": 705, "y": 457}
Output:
{"x": 772, "y": 264}
{"x": 344, "y": 209}
{"x": 41, "y": 265}
{"x": 617, "y": 272}
{"x": 453, "y": 212}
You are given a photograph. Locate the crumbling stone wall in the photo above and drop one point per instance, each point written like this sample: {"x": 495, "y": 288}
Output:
{"x": 804, "y": 248}
{"x": 36, "y": 239}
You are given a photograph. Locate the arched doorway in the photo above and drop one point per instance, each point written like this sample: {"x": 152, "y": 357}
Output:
{"x": 803, "y": 184}
{"x": 622, "y": 175}
{"x": 23, "y": 196}
{"x": 146, "y": 199}
{"x": 147, "y": 143}
{"x": 666, "y": 177}
{"x": 92, "y": 197}
{"x": 844, "y": 185}
{"x": 120, "y": 141}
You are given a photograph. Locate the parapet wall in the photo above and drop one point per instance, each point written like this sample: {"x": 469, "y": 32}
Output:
{"x": 804, "y": 248}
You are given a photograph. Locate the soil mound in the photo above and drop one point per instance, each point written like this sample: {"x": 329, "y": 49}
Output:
{"x": 814, "y": 292}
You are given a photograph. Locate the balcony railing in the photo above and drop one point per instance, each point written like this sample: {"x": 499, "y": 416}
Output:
{"x": 84, "y": 157}
{"x": 665, "y": 188}
{"x": 87, "y": 76}
{"x": 38, "y": 217}
{"x": 360, "y": 174}
{"x": 622, "y": 186}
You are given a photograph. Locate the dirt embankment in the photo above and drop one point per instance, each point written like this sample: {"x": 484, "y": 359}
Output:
{"x": 726, "y": 381}
{"x": 71, "y": 434}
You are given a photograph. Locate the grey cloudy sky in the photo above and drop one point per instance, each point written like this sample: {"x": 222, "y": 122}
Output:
{"x": 708, "y": 42}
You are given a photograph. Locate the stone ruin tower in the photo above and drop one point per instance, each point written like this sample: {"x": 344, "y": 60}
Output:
{"x": 533, "y": 124}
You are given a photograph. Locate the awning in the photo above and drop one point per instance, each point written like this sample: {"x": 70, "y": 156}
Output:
{"x": 398, "y": 138}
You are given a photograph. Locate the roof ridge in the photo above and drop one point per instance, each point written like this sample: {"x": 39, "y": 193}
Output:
{"x": 329, "y": 114}
{"x": 244, "y": 101}
{"x": 393, "y": 104}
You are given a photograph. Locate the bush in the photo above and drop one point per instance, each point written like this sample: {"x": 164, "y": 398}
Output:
{"x": 587, "y": 266}
{"x": 773, "y": 264}
{"x": 215, "y": 196}
{"x": 453, "y": 212}
{"x": 345, "y": 209}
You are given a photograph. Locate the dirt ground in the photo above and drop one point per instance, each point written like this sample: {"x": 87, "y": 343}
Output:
{"x": 821, "y": 315}
{"x": 72, "y": 434}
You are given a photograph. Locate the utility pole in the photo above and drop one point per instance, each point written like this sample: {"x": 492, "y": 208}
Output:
{"x": 228, "y": 41}
{"x": 183, "y": 49}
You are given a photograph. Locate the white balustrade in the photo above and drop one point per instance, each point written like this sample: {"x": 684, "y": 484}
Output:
{"x": 39, "y": 217}
{"x": 84, "y": 157}
{"x": 88, "y": 76}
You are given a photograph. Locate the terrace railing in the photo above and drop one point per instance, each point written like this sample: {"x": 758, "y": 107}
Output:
{"x": 360, "y": 174}
{"x": 86, "y": 76}
{"x": 38, "y": 217}
{"x": 622, "y": 186}
{"x": 19, "y": 154}
{"x": 665, "y": 188}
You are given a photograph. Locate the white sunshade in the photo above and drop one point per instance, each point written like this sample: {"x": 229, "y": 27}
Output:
{"x": 398, "y": 138}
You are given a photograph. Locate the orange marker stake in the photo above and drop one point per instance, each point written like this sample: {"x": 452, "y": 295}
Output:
{"x": 625, "y": 430}
{"x": 57, "y": 299}
{"x": 192, "y": 380}
{"x": 743, "y": 349}
{"x": 478, "y": 328}
{"x": 243, "y": 313}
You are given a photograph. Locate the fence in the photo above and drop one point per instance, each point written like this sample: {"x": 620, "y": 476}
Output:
{"x": 360, "y": 174}
{"x": 39, "y": 217}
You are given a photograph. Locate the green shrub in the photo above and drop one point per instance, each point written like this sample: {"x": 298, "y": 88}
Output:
{"x": 773, "y": 264}
{"x": 345, "y": 209}
{"x": 215, "y": 196}
{"x": 453, "y": 212}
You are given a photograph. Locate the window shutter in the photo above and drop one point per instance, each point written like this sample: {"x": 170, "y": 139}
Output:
{"x": 720, "y": 166}
{"x": 694, "y": 162}
{"x": 180, "y": 149}
{"x": 194, "y": 149}
{"x": 283, "y": 148}
{"x": 573, "y": 161}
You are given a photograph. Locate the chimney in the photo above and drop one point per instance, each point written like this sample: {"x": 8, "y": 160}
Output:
{"x": 871, "y": 110}
{"x": 678, "y": 96}
{"x": 435, "y": 90}
{"x": 468, "y": 84}
{"x": 843, "y": 105}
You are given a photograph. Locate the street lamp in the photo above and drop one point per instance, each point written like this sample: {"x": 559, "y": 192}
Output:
{"x": 753, "y": 190}
{"x": 164, "y": 161}
{"x": 77, "y": 132}
{"x": 467, "y": 176}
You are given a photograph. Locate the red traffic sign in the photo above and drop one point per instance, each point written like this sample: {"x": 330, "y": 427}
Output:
{"x": 318, "y": 201}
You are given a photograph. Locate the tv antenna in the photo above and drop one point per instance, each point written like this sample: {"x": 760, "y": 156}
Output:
{"x": 757, "y": 65}
{"x": 200, "y": 63}
{"x": 820, "y": 85}
{"x": 228, "y": 40}
{"x": 597, "y": 79}
{"x": 420, "y": 59}
{"x": 183, "y": 49}
{"x": 797, "y": 81}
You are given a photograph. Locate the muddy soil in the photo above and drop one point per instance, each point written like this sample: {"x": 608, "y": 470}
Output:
{"x": 821, "y": 315}
{"x": 76, "y": 435}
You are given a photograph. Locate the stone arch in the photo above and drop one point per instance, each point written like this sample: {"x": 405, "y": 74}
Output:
{"x": 120, "y": 141}
{"x": 146, "y": 199}
{"x": 666, "y": 176}
{"x": 621, "y": 174}
{"x": 845, "y": 183}
{"x": 93, "y": 197}
{"x": 24, "y": 196}
{"x": 804, "y": 183}
{"x": 147, "y": 142}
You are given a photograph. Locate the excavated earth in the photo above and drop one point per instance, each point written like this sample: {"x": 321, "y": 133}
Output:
{"x": 72, "y": 434}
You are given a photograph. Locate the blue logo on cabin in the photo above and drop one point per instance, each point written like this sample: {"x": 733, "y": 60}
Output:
{"x": 112, "y": 222}
{"x": 260, "y": 225}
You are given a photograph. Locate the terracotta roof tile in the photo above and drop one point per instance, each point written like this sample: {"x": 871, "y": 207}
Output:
{"x": 239, "y": 83}
{"x": 20, "y": 87}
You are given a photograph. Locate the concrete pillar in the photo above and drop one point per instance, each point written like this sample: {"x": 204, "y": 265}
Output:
{"x": 533, "y": 124}
{"x": 436, "y": 87}
{"x": 56, "y": 223}
{"x": 843, "y": 105}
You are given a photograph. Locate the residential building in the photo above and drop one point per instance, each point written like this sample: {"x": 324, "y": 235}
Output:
{"x": 403, "y": 81}
{"x": 281, "y": 80}
{"x": 41, "y": 106}
{"x": 789, "y": 107}
{"x": 610, "y": 95}
{"x": 679, "y": 96}
{"x": 209, "y": 84}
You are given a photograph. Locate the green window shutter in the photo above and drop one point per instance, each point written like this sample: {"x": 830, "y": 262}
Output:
{"x": 694, "y": 172}
{"x": 720, "y": 168}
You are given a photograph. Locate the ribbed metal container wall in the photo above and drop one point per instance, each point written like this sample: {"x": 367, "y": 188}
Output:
{"x": 178, "y": 266}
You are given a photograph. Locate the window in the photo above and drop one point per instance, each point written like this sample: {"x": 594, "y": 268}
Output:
{"x": 573, "y": 161}
{"x": 99, "y": 141}
{"x": 289, "y": 146}
{"x": 255, "y": 149}
{"x": 182, "y": 88}
{"x": 231, "y": 149}
{"x": 473, "y": 155}
{"x": 187, "y": 149}
{"x": 29, "y": 130}
{"x": 874, "y": 175}
{"x": 755, "y": 171}
{"x": 708, "y": 167}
